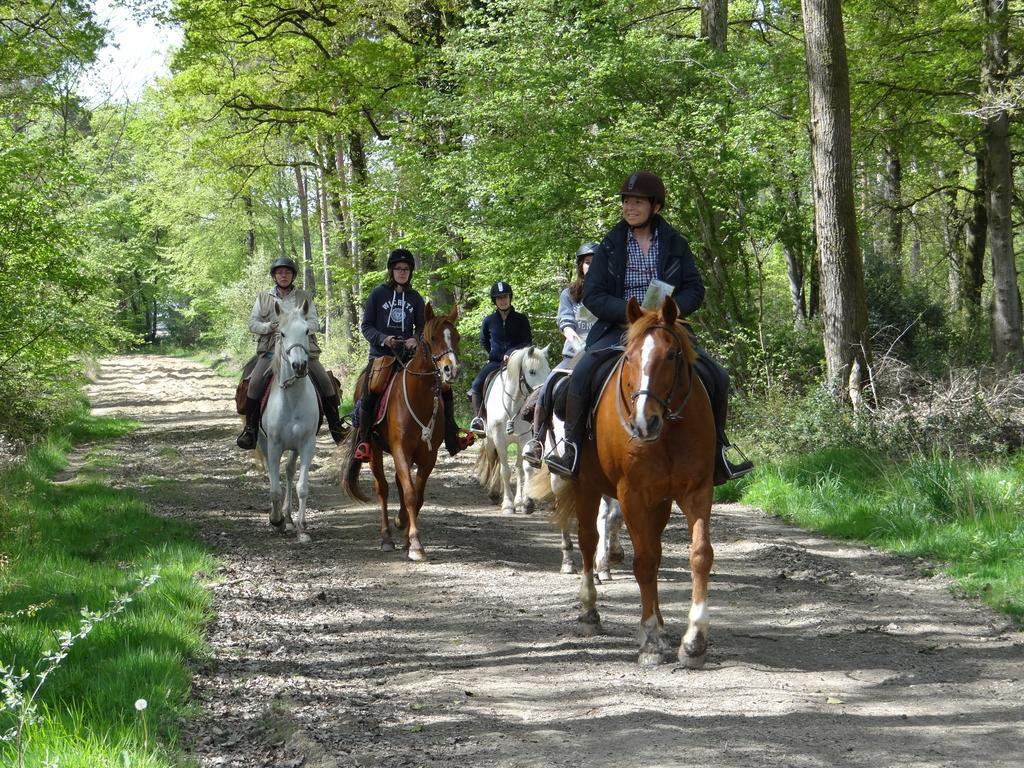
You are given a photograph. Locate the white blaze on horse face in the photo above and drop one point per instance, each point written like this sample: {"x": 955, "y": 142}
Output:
{"x": 646, "y": 352}
{"x": 454, "y": 372}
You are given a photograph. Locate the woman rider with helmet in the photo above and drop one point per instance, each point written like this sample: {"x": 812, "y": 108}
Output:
{"x": 263, "y": 323}
{"x": 501, "y": 333}
{"x": 574, "y": 322}
{"x": 640, "y": 248}
{"x": 393, "y": 319}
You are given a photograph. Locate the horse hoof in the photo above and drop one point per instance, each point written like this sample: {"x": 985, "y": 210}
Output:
{"x": 604, "y": 576}
{"x": 588, "y": 624}
{"x": 277, "y": 527}
{"x": 304, "y": 538}
{"x": 387, "y": 546}
{"x": 508, "y": 511}
{"x": 417, "y": 555}
{"x": 568, "y": 569}
{"x": 692, "y": 662}
{"x": 529, "y": 507}
{"x": 692, "y": 648}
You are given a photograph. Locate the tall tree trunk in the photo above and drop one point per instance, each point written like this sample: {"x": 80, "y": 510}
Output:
{"x": 976, "y": 237}
{"x": 1007, "y": 338}
{"x": 892, "y": 192}
{"x": 791, "y": 239}
{"x": 714, "y": 21}
{"x": 325, "y": 250}
{"x": 308, "y": 278}
{"x": 282, "y": 227}
{"x": 952, "y": 243}
{"x": 250, "y": 231}
{"x": 847, "y": 350}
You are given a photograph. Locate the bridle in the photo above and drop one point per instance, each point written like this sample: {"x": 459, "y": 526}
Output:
{"x": 426, "y": 430}
{"x": 682, "y": 370}
{"x": 521, "y": 389}
{"x": 285, "y": 357}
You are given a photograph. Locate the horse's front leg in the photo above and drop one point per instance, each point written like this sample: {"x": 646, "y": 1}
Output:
{"x": 587, "y": 501}
{"x": 693, "y": 649}
{"x": 412, "y": 499}
{"x": 289, "y": 491}
{"x": 567, "y": 564}
{"x": 380, "y": 484}
{"x": 302, "y": 487}
{"x": 646, "y": 522}
{"x": 274, "y": 452}
{"x": 523, "y": 504}
{"x": 602, "y": 565}
{"x": 508, "y": 505}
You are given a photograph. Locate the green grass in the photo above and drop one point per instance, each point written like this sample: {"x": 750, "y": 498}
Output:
{"x": 71, "y": 545}
{"x": 966, "y": 515}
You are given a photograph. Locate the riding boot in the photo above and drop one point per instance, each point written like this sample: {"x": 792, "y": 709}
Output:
{"x": 247, "y": 439}
{"x": 367, "y": 415}
{"x": 726, "y": 469}
{"x": 533, "y": 451}
{"x": 477, "y": 424}
{"x": 339, "y": 430}
{"x": 567, "y": 464}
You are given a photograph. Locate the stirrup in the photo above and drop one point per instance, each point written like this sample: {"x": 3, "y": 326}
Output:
{"x": 247, "y": 440}
{"x": 556, "y": 461}
{"x": 733, "y": 471}
{"x": 533, "y": 453}
{"x": 477, "y": 426}
{"x": 362, "y": 451}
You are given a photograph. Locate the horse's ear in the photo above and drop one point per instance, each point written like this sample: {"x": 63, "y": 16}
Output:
{"x": 544, "y": 350}
{"x": 305, "y": 307}
{"x": 454, "y": 314}
{"x": 633, "y": 310}
{"x": 428, "y": 311}
{"x": 669, "y": 311}
{"x": 277, "y": 307}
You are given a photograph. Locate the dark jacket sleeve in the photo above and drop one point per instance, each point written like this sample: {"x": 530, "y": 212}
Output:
{"x": 485, "y": 334}
{"x": 600, "y": 288}
{"x": 369, "y": 324}
{"x": 419, "y": 313}
{"x": 689, "y": 292}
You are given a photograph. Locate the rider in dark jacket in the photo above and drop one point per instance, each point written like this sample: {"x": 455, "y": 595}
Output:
{"x": 393, "y": 320}
{"x": 642, "y": 247}
{"x": 502, "y": 332}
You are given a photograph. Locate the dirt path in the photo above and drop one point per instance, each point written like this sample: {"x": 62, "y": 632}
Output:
{"x": 336, "y": 654}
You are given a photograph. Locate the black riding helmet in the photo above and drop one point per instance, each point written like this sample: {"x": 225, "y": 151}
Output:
{"x": 500, "y": 288}
{"x": 399, "y": 255}
{"x": 587, "y": 249}
{"x": 284, "y": 261}
{"x": 644, "y": 184}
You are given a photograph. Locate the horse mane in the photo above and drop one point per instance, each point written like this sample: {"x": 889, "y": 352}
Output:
{"x": 515, "y": 364}
{"x": 639, "y": 328}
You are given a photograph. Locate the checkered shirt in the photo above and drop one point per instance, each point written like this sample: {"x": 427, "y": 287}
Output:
{"x": 641, "y": 268}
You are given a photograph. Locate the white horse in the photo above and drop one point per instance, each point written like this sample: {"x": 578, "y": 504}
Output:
{"x": 609, "y": 515}
{"x": 526, "y": 370}
{"x": 290, "y": 419}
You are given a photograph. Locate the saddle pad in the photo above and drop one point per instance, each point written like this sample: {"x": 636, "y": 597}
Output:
{"x": 602, "y": 372}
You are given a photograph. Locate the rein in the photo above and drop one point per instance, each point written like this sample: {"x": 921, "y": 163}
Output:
{"x": 280, "y": 359}
{"x": 426, "y": 430}
{"x": 666, "y": 403}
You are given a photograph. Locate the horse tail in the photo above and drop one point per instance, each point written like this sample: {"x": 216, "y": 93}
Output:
{"x": 539, "y": 486}
{"x": 350, "y": 468}
{"x": 565, "y": 502}
{"x": 488, "y": 468}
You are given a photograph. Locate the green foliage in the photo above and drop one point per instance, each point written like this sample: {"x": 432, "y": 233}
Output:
{"x": 76, "y": 544}
{"x": 967, "y": 515}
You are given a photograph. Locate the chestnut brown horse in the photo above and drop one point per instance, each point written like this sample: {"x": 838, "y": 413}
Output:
{"x": 412, "y": 429}
{"x": 654, "y": 444}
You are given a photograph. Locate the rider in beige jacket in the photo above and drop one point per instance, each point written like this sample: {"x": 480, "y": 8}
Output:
{"x": 263, "y": 323}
